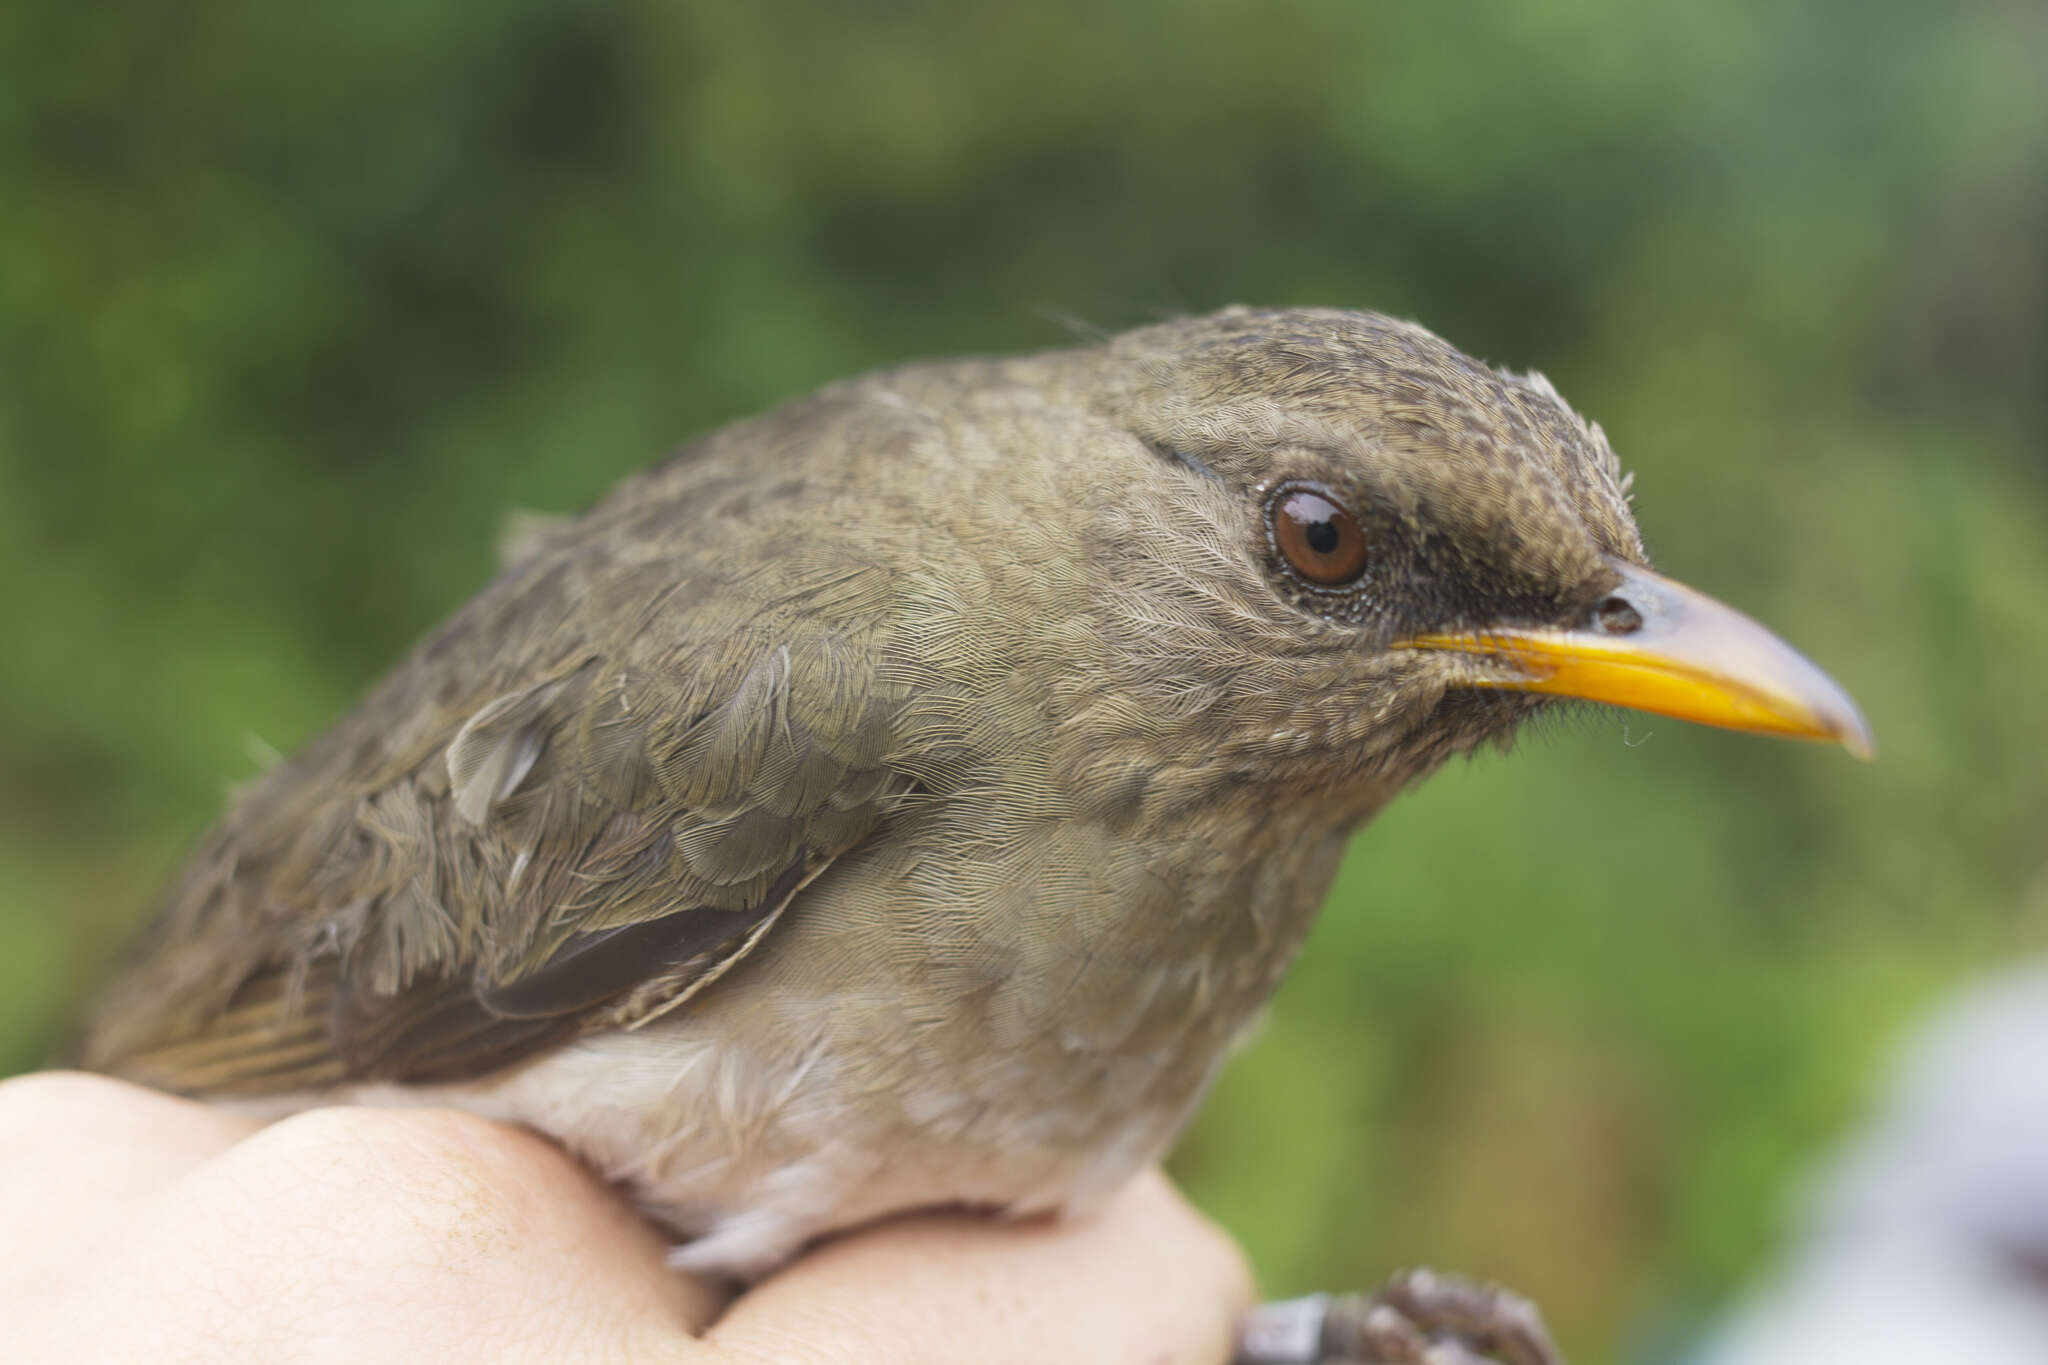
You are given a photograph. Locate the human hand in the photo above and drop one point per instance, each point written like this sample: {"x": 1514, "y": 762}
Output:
{"x": 136, "y": 1226}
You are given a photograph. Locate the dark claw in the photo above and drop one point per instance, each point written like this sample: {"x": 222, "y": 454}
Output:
{"x": 1419, "y": 1317}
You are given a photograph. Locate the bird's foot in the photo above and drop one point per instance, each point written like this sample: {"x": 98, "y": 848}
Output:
{"x": 1418, "y": 1317}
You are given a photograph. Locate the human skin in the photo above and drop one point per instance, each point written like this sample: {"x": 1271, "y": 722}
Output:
{"x": 137, "y": 1226}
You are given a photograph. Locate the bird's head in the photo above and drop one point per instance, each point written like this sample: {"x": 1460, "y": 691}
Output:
{"x": 1354, "y": 551}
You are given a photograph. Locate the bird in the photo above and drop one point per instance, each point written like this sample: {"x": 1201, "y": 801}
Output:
{"x": 910, "y": 797}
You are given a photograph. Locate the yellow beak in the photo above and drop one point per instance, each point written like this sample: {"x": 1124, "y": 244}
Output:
{"x": 1655, "y": 645}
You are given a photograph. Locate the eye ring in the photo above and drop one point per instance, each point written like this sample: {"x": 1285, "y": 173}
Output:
{"x": 1315, "y": 536}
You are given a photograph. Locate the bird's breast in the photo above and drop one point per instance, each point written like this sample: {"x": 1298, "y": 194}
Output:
{"x": 1005, "y": 1005}
{"x": 1038, "y": 978}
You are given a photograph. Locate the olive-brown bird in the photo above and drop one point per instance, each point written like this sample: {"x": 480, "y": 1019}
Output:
{"x": 907, "y": 798}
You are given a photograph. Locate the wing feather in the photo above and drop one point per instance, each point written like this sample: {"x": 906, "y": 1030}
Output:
{"x": 525, "y": 833}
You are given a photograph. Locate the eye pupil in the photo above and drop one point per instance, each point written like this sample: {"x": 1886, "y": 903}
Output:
{"x": 1320, "y": 541}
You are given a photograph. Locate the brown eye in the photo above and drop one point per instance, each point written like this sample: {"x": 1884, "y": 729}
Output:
{"x": 1320, "y": 540}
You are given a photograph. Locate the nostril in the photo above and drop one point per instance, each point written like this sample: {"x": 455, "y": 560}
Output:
{"x": 1615, "y": 616}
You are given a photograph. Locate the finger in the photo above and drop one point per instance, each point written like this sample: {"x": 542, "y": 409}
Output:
{"x": 80, "y": 1157}
{"x": 1147, "y": 1281}
{"x": 396, "y": 1236}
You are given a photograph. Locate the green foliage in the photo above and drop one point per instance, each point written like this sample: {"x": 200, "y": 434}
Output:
{"x": 296, "y": 299}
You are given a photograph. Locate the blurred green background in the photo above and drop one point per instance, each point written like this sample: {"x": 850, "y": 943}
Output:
{"x": 296, "y": 300}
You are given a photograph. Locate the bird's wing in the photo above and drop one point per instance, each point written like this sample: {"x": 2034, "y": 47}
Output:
{"x": 484, "y": 859}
